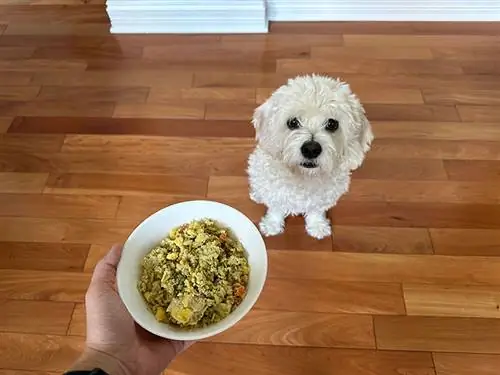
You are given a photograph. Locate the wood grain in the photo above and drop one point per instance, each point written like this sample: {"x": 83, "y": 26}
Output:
{"x": 386, "y": 53}
{"x": 94, "y": 94}
{"x": 401, "y": 169}
{"x": 172, "y": 109}
{"x": 51, "y": 318}
{"x": 255, "y": 360}
{"x": 366, "y": 66}
{"x": 466, "y": 241}
{"x": 123, "y": 184}
{"x": 452, "y": 301}
{"x": 132, "y": 126}
{"x": 38, "y": 352}
{"x": 78, "y": 326}
{"x": 73, "y": 206}
{"x": 317, "y": 330}
{"x": 421, "y": 40}
{"x": 422, "y": 191}
{"x": 466, "y": 364}
{"x": 382, "y": 240}
{"x": 339, "y": 297}
{"x": 472, "y": 170}
{"x": 448, "y": 96}
{"x": 22, "y": 182}
{"x": 422, "y": 215}
{"x": 438, "y": 334}
{"x": 455, "y": 131}
{"x": 43, "y": 285}
{"x": 43, "y": 256}
{"x": 5, "y": 123}
{"x": 384, "y": 268}
{"x": 18, "y": 93}
{"x": 478, "y": 113}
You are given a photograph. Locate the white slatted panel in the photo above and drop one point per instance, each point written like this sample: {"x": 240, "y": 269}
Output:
{"x": 189, "y": 16}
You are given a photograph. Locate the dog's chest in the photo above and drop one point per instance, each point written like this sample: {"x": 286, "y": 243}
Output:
{"x": 276, "y": 187}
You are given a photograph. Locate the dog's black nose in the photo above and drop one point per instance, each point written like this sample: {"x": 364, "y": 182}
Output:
{"x": 311, "y": 149}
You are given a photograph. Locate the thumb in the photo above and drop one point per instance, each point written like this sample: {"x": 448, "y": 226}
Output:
{"x": 105, "y": 270}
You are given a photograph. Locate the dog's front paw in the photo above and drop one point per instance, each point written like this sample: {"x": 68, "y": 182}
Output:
{"x": 319, "y": 229}
{"x": 271, "y": 226}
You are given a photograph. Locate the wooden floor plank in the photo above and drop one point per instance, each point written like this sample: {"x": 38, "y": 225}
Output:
{"x": 484, "y": 242}
{"x": 51, "y": 317}
{"x": 422, "y": 191}
{"x": 478, "y": 113}
{"x": 422, "y": 215}
{"x": 30, "y": 143}
{"x": 366, "y": 66}
{"x": 411, "y": 112}
{"x": 114, "y": 78}
{"x": 155, "y": 145}
{"x": 449, "y": 96}
{"x": 317, "y": 330}
{"x": 172, "y": 109}
{"x": 43, "y": 285}
{"x": 39, "y": 352}
{"x": 452, "y": 301}
{"x": 435, "y": 149}
{"x": 401, "y": 169}
{"x": 453, "y": 131}
{"x": 382, "y": 240}
{"x": 466, "y": 364}
{"x": 438, "y": 334}
{"x": 43, "y": 256}
{"x": 339, "y": 297}
{"x": 256, "y": 360}
{"x": 18, "y": 93}
{"x": 54, "y": 206}
{"x": 421, "y": 40}
{"x": 473, "y": 170}
{"x": 94, "y": 94}
{"x": 386, "y": 53}
{"x": 384, "y": 268}
{"x": 40, "y": 229}
{"x": 132, "y": 126}
{"x": 22, "y": 182}
{"x": 122, "y": 184}
{"x": 5, "y": 123}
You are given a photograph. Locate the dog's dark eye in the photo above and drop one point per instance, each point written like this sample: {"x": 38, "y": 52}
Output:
{"x": 332, "y": 125}
{"x": 293, "y": 123}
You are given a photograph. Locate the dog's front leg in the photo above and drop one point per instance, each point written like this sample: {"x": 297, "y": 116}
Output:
{"x": 273, "y": 223}
{"x": 317, "y": 225}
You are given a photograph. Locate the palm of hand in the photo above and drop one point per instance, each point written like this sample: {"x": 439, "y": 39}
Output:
{"x": 115, "y": 332}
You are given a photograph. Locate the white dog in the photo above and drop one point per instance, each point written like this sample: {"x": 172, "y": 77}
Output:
{"x": 311, "y": 133}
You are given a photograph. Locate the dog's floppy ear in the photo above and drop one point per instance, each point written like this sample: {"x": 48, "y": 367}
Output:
{"x": 259, "y": 117}
{"x": 360, "y": 135}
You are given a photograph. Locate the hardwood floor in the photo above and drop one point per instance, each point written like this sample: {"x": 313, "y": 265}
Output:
{"x": 98, "y": 131}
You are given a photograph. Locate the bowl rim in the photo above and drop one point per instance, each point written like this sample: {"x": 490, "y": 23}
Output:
{"x": 192, "y": 334}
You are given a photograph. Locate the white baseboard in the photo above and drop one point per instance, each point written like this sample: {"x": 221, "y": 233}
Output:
{"x": 384, "y": 10}
{"x": 251, "y": 16}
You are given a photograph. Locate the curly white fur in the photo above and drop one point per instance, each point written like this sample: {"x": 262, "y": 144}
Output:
{"x": 278, "y": 176}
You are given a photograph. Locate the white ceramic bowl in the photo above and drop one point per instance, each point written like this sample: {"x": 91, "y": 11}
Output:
{"x": 156, "y": 227}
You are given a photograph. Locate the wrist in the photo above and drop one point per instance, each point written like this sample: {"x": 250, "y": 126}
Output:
{"x": 92, "y": 358}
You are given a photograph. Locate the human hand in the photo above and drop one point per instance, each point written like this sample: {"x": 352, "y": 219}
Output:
{"x": 115, "y": 343}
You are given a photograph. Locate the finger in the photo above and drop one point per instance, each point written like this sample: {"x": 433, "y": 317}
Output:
{"x": 105, "y": 270}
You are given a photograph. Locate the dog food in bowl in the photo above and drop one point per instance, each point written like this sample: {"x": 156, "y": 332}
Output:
{"x": 196, "y": 276}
